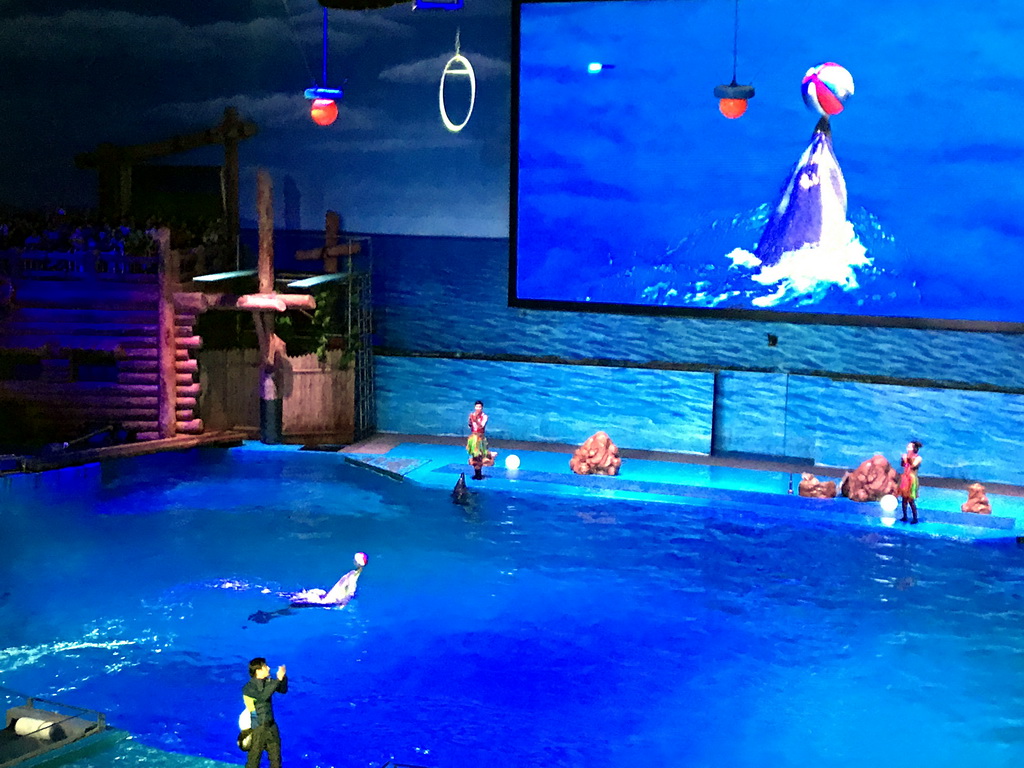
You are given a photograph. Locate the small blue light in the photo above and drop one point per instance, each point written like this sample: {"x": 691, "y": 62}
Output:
{"x": 442, "y": 5}
{"x": 594, "y": 67}
{"x": 334, "y": 94}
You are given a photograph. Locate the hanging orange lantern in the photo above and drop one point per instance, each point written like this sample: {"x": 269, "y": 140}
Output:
{"x": 732, "y": 108}
{"x": 324, "y": 111}
{"x": 732, "y": 99}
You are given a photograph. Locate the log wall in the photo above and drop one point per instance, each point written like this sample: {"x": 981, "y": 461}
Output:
{"x": 66, "y": 304}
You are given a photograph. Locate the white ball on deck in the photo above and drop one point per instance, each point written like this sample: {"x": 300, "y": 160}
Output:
{"x": 888, "y": 503}
{"x": 512, "y": 461}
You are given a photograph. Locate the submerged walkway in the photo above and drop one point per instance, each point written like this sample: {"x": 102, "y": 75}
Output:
{"x": 757, "y": 488}
{"x": 744, "y": 486}
{"x": 383, "y": 442}
{"x": 77, "y": 458}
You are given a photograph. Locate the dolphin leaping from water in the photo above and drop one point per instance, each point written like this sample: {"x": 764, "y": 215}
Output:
{"x": 339, "y": 594}
{"x": 812, "y": 206}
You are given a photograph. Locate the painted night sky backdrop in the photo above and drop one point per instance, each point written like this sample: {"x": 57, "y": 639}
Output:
{"x": 75, "y": 74}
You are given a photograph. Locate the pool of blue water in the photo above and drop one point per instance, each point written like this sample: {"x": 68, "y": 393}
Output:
{"x": 522, "y": 630}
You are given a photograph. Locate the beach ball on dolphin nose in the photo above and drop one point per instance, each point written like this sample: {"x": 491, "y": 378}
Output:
{"x": 826, "y": 88}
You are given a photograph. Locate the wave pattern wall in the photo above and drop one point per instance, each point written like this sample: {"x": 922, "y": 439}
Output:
{"x": 439, "y": 302}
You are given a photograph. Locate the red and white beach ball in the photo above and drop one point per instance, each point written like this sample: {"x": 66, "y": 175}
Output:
{"x": 826, "y": 88}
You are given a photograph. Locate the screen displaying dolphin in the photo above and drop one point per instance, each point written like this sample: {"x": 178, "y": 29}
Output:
{"x": 631, "y": 190}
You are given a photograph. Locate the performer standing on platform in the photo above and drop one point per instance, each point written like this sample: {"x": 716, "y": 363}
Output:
{"x": 907, "y": 488}
{"x": 257, "y": 695}
{"x": 476, "y": 446}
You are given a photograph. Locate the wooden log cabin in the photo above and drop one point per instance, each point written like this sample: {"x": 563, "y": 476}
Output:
{"x": 80, "y": 346}
{"x": 92, "y": 340}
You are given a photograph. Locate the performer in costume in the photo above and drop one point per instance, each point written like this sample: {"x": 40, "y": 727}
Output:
{"x": 257, "y": 694}
{"x": 476, "y": 446}
{"x": 907, "y": 488}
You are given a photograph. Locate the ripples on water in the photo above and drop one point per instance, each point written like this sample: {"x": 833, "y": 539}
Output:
{"x": 522, "y": 631}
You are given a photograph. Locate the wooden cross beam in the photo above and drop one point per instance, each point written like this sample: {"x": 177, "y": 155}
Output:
{"x": 332, "y": 249}
{"x": 114, "y": 163}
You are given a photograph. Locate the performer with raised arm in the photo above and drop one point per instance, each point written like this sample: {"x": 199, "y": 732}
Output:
{"x": 257, "y": 693}
{"x": 476, "y": 445}
{"x": 907, "y": 488}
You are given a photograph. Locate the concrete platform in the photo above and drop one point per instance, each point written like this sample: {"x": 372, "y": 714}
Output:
{"x": 756, "y": 488}
{"x": 76, "y": 458}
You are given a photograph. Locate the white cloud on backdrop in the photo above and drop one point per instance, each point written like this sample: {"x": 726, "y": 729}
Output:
{"x": 429, "y": 70}
{"x": 270, "y": 111}
{"x": 92, "y": 33}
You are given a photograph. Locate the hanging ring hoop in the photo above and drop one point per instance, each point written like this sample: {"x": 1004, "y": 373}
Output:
{"x": 457, "y": 66}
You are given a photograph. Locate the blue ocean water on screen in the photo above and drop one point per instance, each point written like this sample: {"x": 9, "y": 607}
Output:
{"x": 715, "y": 268}
{"x": 517, "y": 631}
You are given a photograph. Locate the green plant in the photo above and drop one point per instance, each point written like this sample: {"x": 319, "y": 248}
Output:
{"x": 323, "y": 329}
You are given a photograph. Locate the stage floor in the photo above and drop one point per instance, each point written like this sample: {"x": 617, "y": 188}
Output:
{"x": 742, "y": 487}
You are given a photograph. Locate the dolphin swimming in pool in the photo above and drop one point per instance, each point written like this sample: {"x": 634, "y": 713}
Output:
{"x": 264, "y": 617}
{"x": 460, "y": 493}
{"x": 812, "y": 204}
{"x": 339, "y": 594}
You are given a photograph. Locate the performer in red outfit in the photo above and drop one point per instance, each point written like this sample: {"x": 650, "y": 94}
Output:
{"x": 476, "y": 446}
{"x": 907, "y": 488}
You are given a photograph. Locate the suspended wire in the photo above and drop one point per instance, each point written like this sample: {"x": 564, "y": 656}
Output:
{"x": 324, "y": 82}
{"x": 302, "y": 51}
{"x": 735, "y": 40}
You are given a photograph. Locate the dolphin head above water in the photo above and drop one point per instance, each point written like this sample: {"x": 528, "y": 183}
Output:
{"x": 812, "y": 203}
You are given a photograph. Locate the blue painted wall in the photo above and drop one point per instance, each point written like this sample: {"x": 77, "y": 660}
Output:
{"x": 441, "y": 303}
{"x": 651, "y": 409}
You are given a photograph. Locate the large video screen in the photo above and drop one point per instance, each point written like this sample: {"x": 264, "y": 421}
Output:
{"x": 876, "y": 176}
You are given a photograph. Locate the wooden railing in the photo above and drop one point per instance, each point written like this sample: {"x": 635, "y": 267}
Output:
{"x": 80, "y": 265}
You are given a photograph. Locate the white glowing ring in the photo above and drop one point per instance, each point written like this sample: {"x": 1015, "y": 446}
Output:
{"x": 466, "y": 70}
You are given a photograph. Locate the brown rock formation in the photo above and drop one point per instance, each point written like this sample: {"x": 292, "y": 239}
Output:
{"x": 977, "y": 502}
{"x": 597, "y": 456}
{"x": 814, "y": 488}
{"x": 870, "y": 481}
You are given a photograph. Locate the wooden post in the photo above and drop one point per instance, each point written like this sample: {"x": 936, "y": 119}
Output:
{"x": 331, "y": 250}
{"x": 233, "y": 131}
{"x": 111, "y": 169}
{"x": 124, "y": 189}
{"x": 331, "y": 232}
{"x": 265, "y": 215}
{"x": 167, "y": 351}
{"x": 271, "y": 418}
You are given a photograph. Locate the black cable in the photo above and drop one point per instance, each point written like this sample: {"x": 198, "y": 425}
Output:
{"x": 295, "y": 38}
{"x": 735, "y": 41}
